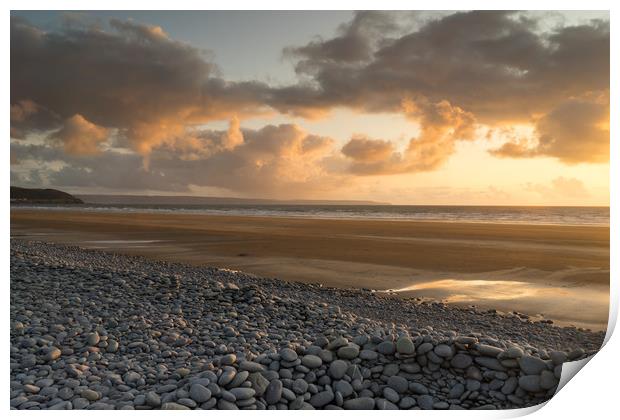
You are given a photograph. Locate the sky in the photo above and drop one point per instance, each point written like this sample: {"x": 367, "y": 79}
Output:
{"x": 480, "y": 108}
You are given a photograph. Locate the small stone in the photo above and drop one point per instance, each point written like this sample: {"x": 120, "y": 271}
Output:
{"x": 368, "y": 355}
{"x": 390, "y": 394}
{"x": 386, "y": 347}
{"x": 404, "y": 345}
{"x": 558, "y": 357}
{"x": 242, "y": 393}
{"x": 348, "y": 352}
{"x": 311, "y": 361}
{"x": 321, "y": 399}
{"x": 513, "y": 353}
{"x": 199, "y": 393}
{"x": 152, "y": 399}
{"x": 510, "y": 385}
{"x": 443, "y": 350}
{"x": 227, "y": 376}
{"x": 259, "y": 383}
{"x": 251, "y": 366}
{"x": 489, "y": 351}
{"x": 425, "y": 402}
{"x": 530, "y": 383}
{"x": 52, "y": 354}
{"x": 31, "y": 389}
{"x": 363, "y": 403}
{"x": 418, "y": 388}
{"x": 93, "y": 339}
{"x": 456, "y": 391}
{"x": 531, "y": 365}
{"x": 174, "y": 406}
{"x": 80, "y": 403}
{"x": 300, "y": 386}
{"x": 424, "y": 348}
{"x": 29, "y": 361}
{"x": 90, "y": 395}
{"x": 273, "y": 393}
{"x": 112, "y": 346}
{"x": 228, "y": 359}
{"x": 288, "y": 355}
{"x": 547, "y": 379}
{"x": 337, "y": 369}
{"x": 398, "y": 383}
{"x": 182, "y": 372}
{"x": 461, "y": 361}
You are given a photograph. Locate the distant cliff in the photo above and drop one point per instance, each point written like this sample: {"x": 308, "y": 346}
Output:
{"x": 42, "y": 196}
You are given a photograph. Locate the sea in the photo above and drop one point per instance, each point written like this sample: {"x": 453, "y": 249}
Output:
{"x": 540, "y": 215}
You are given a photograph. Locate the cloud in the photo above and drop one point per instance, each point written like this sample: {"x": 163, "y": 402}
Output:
{"x": 79, "y": 136}
{"x": 497, "y": 67}
{"x": 560, "y": 188}
{"x": 441, "y": 126}
{"x": 136, "y": 96}
{"x": 133, "y": 78}
{"x": 485, "y": 62}
{"x": 28, "y": 116}
{"x": 275, "y": 160}
{"x": 576, "y": 131}
{"x": 362, "y": 149}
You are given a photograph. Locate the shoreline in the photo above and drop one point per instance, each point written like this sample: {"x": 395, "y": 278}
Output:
{"x": 310, "y": 216}
{"x": 567, "y": 262}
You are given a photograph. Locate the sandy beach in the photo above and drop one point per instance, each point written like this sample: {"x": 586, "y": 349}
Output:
{"x": 531, "y": 264}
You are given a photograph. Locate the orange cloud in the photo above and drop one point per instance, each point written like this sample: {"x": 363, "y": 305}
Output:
{"x": 80, "y": 136}
{"x": 576, "y": 131}
{"x": 362, "y": 149}
{"x": 441, "y": 124}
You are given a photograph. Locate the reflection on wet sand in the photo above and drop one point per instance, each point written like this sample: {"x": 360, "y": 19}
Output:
{"x": 567, "y": 305}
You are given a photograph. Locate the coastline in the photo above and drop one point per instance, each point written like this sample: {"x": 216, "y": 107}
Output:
{"x": 275, "y": 211}
{"x": 384, "y": 255}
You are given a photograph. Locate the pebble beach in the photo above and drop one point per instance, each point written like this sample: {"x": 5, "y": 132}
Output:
{"x": 98, "y": 330}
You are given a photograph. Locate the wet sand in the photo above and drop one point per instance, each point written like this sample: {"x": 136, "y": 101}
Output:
{"x": 545, "y": 260}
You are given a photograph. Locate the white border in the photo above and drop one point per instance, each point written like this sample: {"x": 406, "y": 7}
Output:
{"x": 592, "y": 395}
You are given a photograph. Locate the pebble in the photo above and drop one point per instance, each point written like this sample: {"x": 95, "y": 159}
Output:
{"x": 52, "y": 354}
{"x": 425, "y": 402}
{"x": 386, "y": 348}
{"x": 461, "y": 361}
{"x": 273, "y": 394}
{"x": 288, "y": 355}
{"x": 404, "y": 345}
{"x": 199, "y": 393}
{"x": 531, "y": 365}
{"x": 348, "y": 352}
{"x": 202, "y": 338}
{"x": 321, "y": 399}
{"x": 311, "y": 361}
{"x": 90, "y": 395}
{"x": 363, "y": 403}
{"x": 173, "y": 406}
{"x": 444, "y": 351}
{"x": 337, "y": 369}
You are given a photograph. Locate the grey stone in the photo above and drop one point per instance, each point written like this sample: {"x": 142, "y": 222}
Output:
{"x": 273, "y": 392}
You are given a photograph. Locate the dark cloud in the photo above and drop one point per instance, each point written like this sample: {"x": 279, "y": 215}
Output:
{"x": 134, "y": 78}
{"x": 494, "y": 64}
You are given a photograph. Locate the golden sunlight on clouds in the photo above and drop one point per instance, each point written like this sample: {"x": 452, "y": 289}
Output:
{"x": 515, "y": 113}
